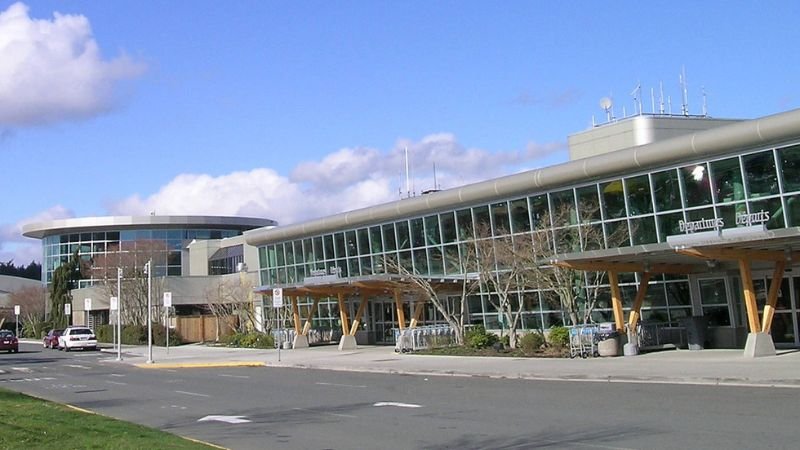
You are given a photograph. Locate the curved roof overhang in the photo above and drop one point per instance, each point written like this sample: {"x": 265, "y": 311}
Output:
{"x": 40, "y": 230}
{"x": 771, "y": 129}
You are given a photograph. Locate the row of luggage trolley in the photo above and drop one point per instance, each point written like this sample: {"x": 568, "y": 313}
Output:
{"x": 583, "y": 339}
{"x": 423, "y": 337}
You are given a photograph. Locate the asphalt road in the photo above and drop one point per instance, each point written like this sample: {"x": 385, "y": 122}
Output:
{"x": 281, "y": 408}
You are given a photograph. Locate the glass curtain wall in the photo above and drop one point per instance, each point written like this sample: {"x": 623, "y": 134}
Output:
{"x": 754, "y": 187}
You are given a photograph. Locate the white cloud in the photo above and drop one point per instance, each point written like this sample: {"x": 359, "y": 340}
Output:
{"x": 344, "y": 180}
{"x": 22, "y": 250}
{"x": 52, "y": 70}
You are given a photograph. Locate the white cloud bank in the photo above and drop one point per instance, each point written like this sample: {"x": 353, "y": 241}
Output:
{"x": 52, "y": 70}
{"x": 344, "y": 180}
{"x": 347, "y": 179}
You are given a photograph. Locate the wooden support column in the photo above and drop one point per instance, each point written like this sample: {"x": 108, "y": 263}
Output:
{"x": 749, "y": 295}
{"x": 343, "y": 315}
{"x": 633, "y": 319}
{"x": 418, "y": 308}
{"x": 772, "y": 297}
{"x": 359, "y": 313}
{"x": 616, "y": 301}
{"x": 398, "y": 304}
{"x": 311, "y": 313}
{"x": 296, "y": 316}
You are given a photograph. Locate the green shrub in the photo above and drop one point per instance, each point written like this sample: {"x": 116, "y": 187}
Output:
{"x": 104, "y": 333}
{"x": 477, "y": 337}
{"x": 252, "y": 339}
{"x": 531, "y": 342}
{"x": 160, "y": 336}
{"x": 558, "y": 336}
{"x": 134, "y": 334}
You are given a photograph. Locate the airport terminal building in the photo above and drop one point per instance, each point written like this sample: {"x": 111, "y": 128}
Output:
{"x": 709, "y": 211}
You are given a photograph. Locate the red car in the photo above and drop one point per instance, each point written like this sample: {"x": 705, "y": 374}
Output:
{"x": 8, "y": 341}
{"x": 51, "y": 340}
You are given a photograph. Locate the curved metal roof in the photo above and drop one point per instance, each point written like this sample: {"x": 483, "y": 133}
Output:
{"x": 750, "y": 133}
{"x": 40, "y": 230}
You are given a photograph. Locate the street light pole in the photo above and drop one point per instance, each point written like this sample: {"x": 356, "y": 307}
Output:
{"x": 119, "y": 314}
{"x": 149, "y": 270}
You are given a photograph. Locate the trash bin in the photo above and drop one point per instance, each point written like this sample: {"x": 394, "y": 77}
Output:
{"x": 696, "y": 331}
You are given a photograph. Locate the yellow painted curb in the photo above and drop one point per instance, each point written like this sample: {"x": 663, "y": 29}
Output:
{"x": 201, "y": 365}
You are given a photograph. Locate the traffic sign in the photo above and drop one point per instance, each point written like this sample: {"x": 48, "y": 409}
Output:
{"x": 167, "y": 299}
{"x": 87, "y": 304}
{"x": 277, "y": 297}
{"x": 114, "y": 304}
{"x": 16, "y": 310}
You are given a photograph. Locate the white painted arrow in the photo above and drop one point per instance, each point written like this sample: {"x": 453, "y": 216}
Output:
{"x": 402, "y": 405}
{"x": 228, "y": 419}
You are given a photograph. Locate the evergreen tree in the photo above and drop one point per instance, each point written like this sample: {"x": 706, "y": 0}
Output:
{"x": 65, "y": 278}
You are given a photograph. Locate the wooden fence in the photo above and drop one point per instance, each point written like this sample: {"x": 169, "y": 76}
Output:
{"x": 203, "y": 328}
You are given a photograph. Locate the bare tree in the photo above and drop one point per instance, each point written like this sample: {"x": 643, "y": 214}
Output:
{"x": 32, "y": 308}
{"x": 562, "y": 233}
{"x": 503, "y": 273}
{"x": 425, "y": 286}
{"x": 132, "y": 257}
{"x": 229, "y": 301}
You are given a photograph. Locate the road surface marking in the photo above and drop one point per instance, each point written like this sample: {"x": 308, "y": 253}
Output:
{"x": 119, "y": 383}
{"x": 316, "y": 411}
{"x": 22, "y": 369}
{"x": 116, "y": 375}
{"x": 192, "y": 393}
{"x": 233, "y": 376}
{"x": 228, "y": 419}
{"x": 77, "y": 366}
{"x": 342, "y": 385}
{"x": 401, "y": 405}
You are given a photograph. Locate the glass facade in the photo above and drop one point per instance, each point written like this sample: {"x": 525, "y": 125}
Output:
{"x": 748, "y": 188}
{"x": 108, "y": 247}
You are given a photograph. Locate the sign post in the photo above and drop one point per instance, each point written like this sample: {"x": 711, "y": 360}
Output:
{"x": 16, "y": 324}
{"x": 113, "y": 305}
{"x": 167, "y": 306}
{"x": 277, "y": 303}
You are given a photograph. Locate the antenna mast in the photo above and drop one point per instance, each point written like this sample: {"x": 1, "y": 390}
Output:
{"x": 408, "y": 180}
{"x": 685, "y": 92}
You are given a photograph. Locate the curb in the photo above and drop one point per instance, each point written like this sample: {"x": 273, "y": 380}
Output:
{"x": 200, "y": 365}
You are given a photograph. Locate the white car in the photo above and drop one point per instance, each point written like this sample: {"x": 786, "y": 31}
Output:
{"x": 77, "y": 337}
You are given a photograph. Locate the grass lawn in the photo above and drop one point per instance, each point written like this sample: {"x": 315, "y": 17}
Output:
{"x": 29, "y": 423}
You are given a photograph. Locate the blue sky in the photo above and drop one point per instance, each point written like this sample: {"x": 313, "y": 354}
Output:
{"x": 292, "y": 110}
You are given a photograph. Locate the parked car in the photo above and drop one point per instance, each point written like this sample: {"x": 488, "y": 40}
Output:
{"x": 8, "y": 341}
{"x": 51, "y": 339}
{"x": 77, "y": 337}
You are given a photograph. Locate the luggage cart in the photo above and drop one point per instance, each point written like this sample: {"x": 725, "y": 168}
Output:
{"x": 403, "y": 340}
{"x": 582, "y": 341}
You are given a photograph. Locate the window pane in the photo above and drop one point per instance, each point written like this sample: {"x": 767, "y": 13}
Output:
{"x": 350, "y": 243}
{"x": 761, "y": 176}
{"x": 464, "y": 219}
{"x": 500, "y": 219}
{"x": 639, "y": 199}
{"x": 696, "y": 185}
{"x": 375, "y": 239}
{"x": 613, "y": 199}
{"x": 520, "y": 219}
{"x": 793, "y": 210}
{"x": 564, "y": 208}
{"x": 643, "y": 230}
{"x": 588, "y": 203}
{"x": 771, "y": 206}
{"x": 669, "y": 224}
{"x": 403, "y": 238}
{"x": 790, "y": 168}
{"x": 417, "y": 233}
{"x": 388, "y": 237}
{"x": 539, "y": 210}
{"x": 666, "y": 190}
{"x": 338, "y": 241}
{"x": 617, "y": 234}
{"x": 448, "y": 221}
{"x": 481, "y": 216}
{"x": 432, "y": 230}
{"x": 727, "y": 176}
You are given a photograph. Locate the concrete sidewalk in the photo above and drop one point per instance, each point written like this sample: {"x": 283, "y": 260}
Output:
{"x": 705, "y": 367}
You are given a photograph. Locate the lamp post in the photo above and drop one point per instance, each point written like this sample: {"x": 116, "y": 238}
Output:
{"x": 148, "y": 268}
{"x": 119, "y": 313}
